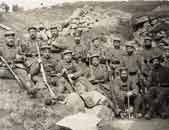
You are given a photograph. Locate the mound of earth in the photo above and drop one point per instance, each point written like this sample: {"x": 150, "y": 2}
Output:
{"x": 19, "y": 112}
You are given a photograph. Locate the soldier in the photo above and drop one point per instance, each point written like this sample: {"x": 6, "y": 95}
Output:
{"x": 123, "y": 88}
{"x": 69, "y": 72}
{"x": 114, "y": 54}
{"x": 29, "y": 50}
{"x": 42, "y": 34}
{"x": 79, "y": 53}
{"x": 96, "y": 47}
{"x": 158, "y": 88}
{"x": 97, "y": 74}
{"x": 56, "y": 42}
{"x": 11, "y": 52}
{"x": 132, "y": 61}
{"x": 49, "y": 68}
{"x": 147, "y": 53}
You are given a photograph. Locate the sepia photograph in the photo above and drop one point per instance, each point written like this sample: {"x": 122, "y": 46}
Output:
{"x": 84, "y": 65}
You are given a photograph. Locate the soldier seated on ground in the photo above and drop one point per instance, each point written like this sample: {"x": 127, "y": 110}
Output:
{"x": 158, "y": 89}
{"x": 11, "y": 53}
{"x": 68, "y": 72}
{"x": 123, "y": 88}
{"x": 97, "y": 75}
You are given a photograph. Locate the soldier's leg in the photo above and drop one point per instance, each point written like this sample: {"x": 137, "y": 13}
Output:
{"x": 160, "y": 101}
{"x": 34, "y": 69}
{"x": 138, "y": 106}
{"x": 23, "y": 76}
{"x": 64, "y": 85}
{"x": 150, "y": 99}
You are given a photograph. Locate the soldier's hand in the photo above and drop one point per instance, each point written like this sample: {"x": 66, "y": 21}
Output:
{"x": 58, "y": 74}
{"x": 64, "y": 70}
{"x": 71, "y": 76}
{"x": 39, "y": 60}
{"x": 130, "y": 93}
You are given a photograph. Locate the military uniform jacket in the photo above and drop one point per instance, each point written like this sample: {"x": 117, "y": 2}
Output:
{"x": 159, "y": 77}
{"x": 133, "y": 62}
{"x": 114, "y": 55}
{"x": 119, "y": 85}
{"x": 98, "y": 73}
{"x": 72, "y": 68}
{"x": 79, "y": 51}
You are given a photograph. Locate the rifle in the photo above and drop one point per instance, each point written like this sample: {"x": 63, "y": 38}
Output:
{"x": 43, "y": 73}
{"x": 19, "y": 81}
{"x": 70, "y": 81}
{"x": 91, "y": 70}
{"x": 128, "y": 102}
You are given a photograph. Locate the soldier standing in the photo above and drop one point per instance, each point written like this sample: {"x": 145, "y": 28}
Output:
{"x": 158, "y": 88}
{"x": 114, "y": 55}
{"x": 79, "y": 52}
{"x": 11, "y": 53}
{"x": 96, "y": 47}
{"x": 132, "y": 61}
{"x": 56, "y": 43}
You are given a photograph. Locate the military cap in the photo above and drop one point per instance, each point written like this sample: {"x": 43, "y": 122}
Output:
{"x": 94, "y": 55}
{"x": 130, "y": 44}
{"x": 96, "y": 38}
{"x": 141, "y": 20}
{"x": 54, "y": 26}
{"x": 9, "y": 33}
{"x": 123, "y": 68}
{"x": 32, "y": 28}
{"x": 74, "y": 26}
{"x": 67, "y": 52}
{"x": 45, "y": 47}
{"x": 156, "y": 56}
{"x": 42, "y": 26}
{"x": 147, "y": 38}
{"x": 116, "y": 39}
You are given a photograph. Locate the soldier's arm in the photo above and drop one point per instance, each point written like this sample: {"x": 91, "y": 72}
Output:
{"x": 78, "y": 71}
{"x": 134, "y": 88}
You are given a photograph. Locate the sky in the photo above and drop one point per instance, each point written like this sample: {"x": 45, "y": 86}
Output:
{"x": 29, "y": 4}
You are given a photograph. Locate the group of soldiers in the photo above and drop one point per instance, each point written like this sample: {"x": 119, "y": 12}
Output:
{"x": 131, "y": 82}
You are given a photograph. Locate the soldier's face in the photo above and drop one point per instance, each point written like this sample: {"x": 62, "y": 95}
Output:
{"x": 46, "y": 54}
{"x": 54, "y": 32}
{"x": 156, "y": 62}
{"x": 123, "y": 74}
{"x": 129, "y": 50}
{"x": 77, "y": 40}
{"x": 68, "y": 57}
{"x": 10, "y": 40}
{"x": 33, "y": 33}
{"x": 96, "y": 43}
{"x": 95, "y": 61}
{"x": 116, "y": 43}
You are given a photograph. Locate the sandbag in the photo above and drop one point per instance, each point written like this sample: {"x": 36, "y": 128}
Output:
{"x": 74, "y": 103}
{"x": 80, "y": 121}
{"x": 93, "y": 98}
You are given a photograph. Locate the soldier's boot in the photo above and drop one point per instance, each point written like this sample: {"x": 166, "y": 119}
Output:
{"x": 148, "y": 116}
{"x": 153, "y": 107}
{"x": 137, "y": 107}
{"x": 31, "y": 91}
